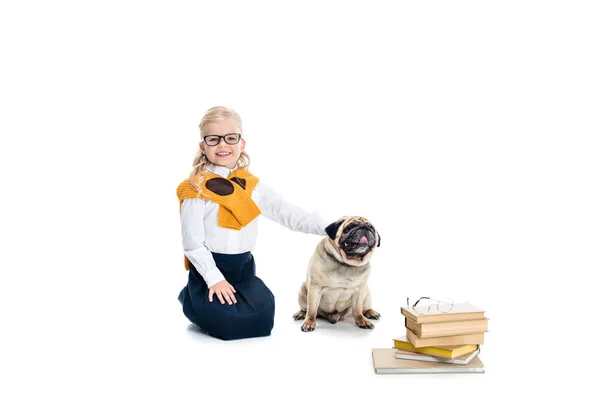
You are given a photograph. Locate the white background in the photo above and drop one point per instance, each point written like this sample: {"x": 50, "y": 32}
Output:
{"x": 466, "y": 131}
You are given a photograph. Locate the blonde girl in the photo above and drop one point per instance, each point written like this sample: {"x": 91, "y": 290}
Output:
{"x": 220, "y": 203}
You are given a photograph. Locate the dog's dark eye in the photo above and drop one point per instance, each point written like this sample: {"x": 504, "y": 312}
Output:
{"x": 348, "y": 227}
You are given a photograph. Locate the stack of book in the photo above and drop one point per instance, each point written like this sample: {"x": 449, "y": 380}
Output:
{"x": 436, "y": 341}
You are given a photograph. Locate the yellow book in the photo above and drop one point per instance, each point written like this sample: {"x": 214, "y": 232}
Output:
{"x": 402, "y": 343}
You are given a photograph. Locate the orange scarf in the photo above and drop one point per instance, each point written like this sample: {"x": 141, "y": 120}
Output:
{"x": 234, "y": 195}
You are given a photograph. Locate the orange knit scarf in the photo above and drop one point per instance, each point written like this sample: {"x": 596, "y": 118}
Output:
{"x": 237, "y": 209}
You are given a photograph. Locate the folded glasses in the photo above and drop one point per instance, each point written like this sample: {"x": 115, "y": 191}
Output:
{"x": 430, "y": 304}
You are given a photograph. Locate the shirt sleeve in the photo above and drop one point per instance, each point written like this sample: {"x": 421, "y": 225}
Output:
{"x": 276, "y": 208}
{"x": 193, "y": 236}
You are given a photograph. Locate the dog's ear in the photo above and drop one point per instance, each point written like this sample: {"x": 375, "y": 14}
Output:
{"x": 332, "y": 229}
{"x": 378, "y": 240}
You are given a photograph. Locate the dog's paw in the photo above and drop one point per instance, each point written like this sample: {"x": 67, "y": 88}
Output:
{"x": 364, "y": 324}
{"x": 372, "y": 314}
{"x": 308, "y": 326}
{"x": 299, "y": 315}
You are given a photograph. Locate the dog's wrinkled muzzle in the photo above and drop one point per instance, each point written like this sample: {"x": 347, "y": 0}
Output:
{"x": 358, "y": 242}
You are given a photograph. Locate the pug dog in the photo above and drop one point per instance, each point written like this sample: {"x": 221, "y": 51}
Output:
{"x": 336, "y": 280}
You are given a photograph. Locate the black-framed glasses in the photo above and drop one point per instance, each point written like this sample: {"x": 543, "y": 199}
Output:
{"x": 230, "y": 138}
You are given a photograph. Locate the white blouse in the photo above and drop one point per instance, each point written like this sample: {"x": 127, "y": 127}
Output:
{"x": 201, "y": 234}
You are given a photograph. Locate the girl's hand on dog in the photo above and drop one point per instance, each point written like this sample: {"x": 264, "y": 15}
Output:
{"x": 224, "y": 292}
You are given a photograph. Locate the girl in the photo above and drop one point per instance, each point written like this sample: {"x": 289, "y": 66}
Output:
{"x": 219, "y": 205}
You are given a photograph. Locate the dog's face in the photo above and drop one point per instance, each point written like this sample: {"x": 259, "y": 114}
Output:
{"x": 353, "y": 240}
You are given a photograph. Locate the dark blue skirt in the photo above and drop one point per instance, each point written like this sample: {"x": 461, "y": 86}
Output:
{"x": 253, "y": 314}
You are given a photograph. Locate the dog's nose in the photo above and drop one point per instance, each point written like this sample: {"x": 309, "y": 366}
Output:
{"x": 363, "y": 240}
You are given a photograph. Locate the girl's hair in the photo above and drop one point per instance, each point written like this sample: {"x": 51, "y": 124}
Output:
{"x": 201, "y": 162}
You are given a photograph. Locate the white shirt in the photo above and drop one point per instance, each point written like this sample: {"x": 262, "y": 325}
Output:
{"x": 201, "y": 234}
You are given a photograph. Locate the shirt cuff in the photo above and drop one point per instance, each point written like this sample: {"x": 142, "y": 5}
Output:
{"x": 213, "y": 276}
{"x": 321, "y": 225}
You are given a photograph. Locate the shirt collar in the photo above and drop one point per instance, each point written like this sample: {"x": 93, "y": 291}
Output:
{"x": 220, "y": 170}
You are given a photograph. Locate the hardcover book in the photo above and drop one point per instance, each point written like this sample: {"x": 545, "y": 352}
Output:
{"x": 458, "y": 312}
{"x": 462, "y": 360}
{"x": 474, "y": 338}
{"x": 453, "y": 328}
{"x": 385, "y": 362}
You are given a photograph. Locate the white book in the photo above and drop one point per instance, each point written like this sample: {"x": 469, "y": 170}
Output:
{"x": 385, "y": 362}
{"x": 462, "y": 360}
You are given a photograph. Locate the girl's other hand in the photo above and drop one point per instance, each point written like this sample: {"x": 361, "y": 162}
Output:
{"x": 224, "y": 292}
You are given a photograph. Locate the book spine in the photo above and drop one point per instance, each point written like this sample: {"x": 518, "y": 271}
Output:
{"x": 436, "y": 329}
{"x": 448, "y": 317}
{"x": 442, "y": 317}
{"x": 444, "y": 340}
{"x": 432, "y": 358}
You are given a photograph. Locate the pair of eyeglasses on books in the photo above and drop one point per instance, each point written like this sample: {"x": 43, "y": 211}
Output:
{"x": 427, "y": 304}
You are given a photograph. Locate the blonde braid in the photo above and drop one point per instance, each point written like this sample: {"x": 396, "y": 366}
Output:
{"x": 199, "y": 164}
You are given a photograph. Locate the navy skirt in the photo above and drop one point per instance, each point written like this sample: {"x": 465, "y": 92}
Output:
{"x": 253, "y": 314}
